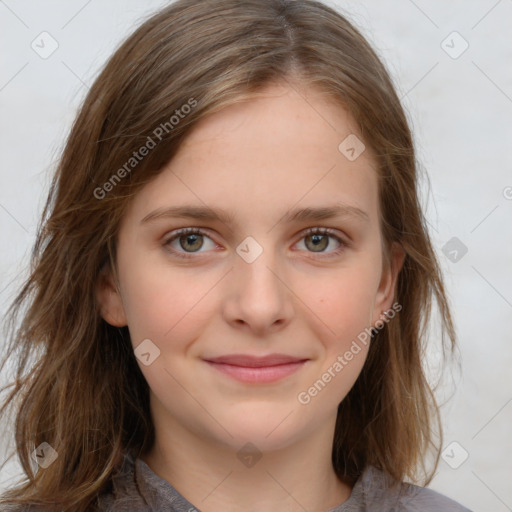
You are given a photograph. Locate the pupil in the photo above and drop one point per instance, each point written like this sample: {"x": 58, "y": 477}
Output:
{"x": 191, "y": 239}
{"x": 317, "y": 241}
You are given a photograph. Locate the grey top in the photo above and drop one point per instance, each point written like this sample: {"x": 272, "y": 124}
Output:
{"x": 137, "y": 489}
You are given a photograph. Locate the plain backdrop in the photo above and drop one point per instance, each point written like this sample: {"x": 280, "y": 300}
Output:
{"x": 451, "y": 65}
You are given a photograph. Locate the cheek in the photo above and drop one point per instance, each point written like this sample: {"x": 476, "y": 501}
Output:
{"x": 343, "y": 302}
{"x": 169, "y": 308}
{"x": 163, "y": 304}
{"x": 343, "y": 305}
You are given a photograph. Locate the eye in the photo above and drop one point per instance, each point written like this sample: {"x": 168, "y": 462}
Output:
{"x": 190, "y": 240}
{"x": 187, "y": 241}
{"x": 317, "y": 241}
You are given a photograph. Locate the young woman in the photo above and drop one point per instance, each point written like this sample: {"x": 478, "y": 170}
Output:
{"x": 232, "y": 280}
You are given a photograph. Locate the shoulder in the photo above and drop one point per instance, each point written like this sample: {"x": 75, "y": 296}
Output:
{"x": 121, "y": 494}
{"x": 385, "y": 494}
{"x": 427, "y": 500}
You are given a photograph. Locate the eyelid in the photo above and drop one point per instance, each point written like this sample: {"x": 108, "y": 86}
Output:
{"x": 324, "y": 231}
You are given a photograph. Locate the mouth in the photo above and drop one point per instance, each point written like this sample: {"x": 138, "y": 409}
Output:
{"x": 247, "y": 368}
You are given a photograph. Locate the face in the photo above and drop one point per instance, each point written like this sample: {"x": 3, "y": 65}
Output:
{"x": 248, "y": 308}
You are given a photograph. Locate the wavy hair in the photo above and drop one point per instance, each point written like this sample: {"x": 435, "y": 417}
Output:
{"x": 77, "y": 384}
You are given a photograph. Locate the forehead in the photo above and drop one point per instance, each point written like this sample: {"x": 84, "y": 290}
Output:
{"x": 266, "y": 155}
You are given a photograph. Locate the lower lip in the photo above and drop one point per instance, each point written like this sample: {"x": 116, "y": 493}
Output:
{"x": 260, "y": 374}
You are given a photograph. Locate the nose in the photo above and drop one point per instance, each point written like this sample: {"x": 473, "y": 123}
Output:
{"x": 258, "y": 298}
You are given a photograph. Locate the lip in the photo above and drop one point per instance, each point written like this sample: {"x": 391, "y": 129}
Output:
{"x": 248, "y": 368}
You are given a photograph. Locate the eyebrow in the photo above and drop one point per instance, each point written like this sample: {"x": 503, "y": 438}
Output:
{"x": 219, "y": 214}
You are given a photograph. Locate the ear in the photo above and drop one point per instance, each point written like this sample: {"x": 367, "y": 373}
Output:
{"x": 386, "y": 291}
{"x": 109, "y": 299}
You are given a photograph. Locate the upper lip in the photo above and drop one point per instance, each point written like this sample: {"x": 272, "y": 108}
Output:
{"x": 255, "y": 361}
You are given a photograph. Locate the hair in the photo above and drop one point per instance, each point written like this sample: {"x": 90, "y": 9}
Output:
{"x": 78, "y": 386}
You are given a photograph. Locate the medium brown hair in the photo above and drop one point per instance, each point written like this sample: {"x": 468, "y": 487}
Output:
{"x": 78, "y": 386}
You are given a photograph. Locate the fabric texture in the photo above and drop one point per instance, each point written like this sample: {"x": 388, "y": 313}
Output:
{"x": 137, "y": 489}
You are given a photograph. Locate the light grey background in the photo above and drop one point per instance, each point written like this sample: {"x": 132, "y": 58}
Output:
{"x": 460, "y": 110}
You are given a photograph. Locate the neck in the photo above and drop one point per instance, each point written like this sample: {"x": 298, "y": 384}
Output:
{"x": 295, "y": 478}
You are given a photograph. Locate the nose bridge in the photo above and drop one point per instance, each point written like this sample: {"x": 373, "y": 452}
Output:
{"x": 258, "y": 295}
{"x": 256, "y": 266}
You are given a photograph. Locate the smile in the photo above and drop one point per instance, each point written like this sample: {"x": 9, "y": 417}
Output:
{"x": 257, "y": 369}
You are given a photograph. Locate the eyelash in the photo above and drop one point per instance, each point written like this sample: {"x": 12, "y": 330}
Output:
{"x": 310, "y": 231}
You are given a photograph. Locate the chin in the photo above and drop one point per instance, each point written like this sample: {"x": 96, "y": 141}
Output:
{"x": 266, "y": 429}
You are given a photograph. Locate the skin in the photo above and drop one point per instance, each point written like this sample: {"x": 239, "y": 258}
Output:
{"x": 257, "y": 160}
